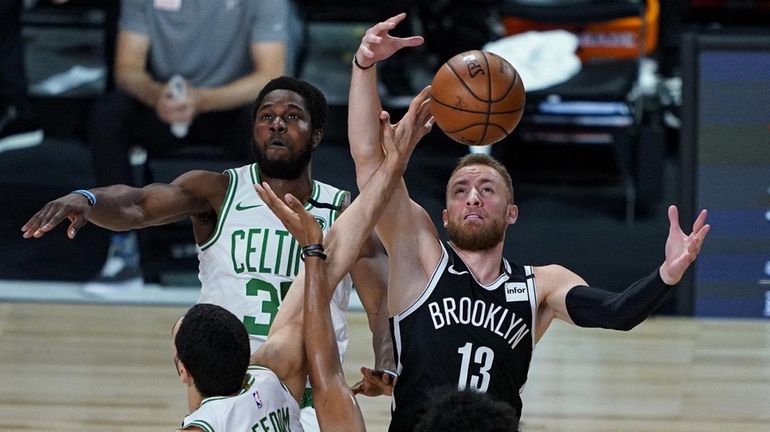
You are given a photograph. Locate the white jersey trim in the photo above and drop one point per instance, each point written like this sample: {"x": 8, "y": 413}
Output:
{"x": 492, "y": 285}
{"x": 224, "y": 209}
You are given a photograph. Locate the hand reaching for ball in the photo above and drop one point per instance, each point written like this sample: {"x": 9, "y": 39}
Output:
{"x": 378, "y": 45}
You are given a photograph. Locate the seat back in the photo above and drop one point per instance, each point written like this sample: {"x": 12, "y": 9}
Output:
{"x": 602, "y": 103}
{"x": 605, "y": 28}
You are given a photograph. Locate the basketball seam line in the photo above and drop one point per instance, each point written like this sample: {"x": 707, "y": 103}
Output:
{"x": 475, "y": 112}
{"x": 462, "y": 81}
{"x": 489, "y": 94}
{"x": 476, "y": 124}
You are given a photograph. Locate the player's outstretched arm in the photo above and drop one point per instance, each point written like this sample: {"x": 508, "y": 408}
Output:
{"x": 364, "y": 101}
{"x": 122, "y": 208}
{"x": 570, "y": 299}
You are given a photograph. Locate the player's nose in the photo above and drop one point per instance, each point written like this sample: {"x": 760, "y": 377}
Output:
{"x": 474, "y": 199}
{"x": 277, "y": 125}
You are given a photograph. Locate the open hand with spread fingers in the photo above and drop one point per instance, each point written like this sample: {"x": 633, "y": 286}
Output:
{"x": 681, "y": 248}
{"x": 293, "y": 215}
{"x": 377, "y": 44}
{"x": 400, "y": 139}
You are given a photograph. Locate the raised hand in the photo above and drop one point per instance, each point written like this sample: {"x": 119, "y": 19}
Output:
{"x": 293, "y": 215}
{"x": 400, "y": 139}
{"x": 681, "y": 248}
{"x": 73, "y": 207}
{"x": 378, "y": 45}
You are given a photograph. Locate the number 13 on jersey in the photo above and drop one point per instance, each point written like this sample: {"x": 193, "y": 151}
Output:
{"x": 481, "y": 358}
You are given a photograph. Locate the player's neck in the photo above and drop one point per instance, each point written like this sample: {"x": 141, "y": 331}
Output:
{"x": 484, "y": 264}
{"x": 194, "y": 398}
{"x": 301, "y": 187}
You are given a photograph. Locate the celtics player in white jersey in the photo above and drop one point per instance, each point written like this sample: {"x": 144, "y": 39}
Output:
{"x": 247, "y": 260}
{"x": 228, "y": 391}
{"x": 211, "y": 350}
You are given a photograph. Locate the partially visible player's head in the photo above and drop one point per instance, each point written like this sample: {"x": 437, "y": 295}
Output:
{"x": 289, "y": 119}
{"x": 479, "y": 203}
{"x": 467, "y": 410}
{"x": 213, "y": 346}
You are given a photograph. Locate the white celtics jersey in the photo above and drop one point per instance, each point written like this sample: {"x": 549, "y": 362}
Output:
{"x": 250, "y": 261}
{"x": 264, "y": 404}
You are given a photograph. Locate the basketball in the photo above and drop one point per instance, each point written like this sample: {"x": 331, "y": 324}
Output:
{"x": 477, "y": 98}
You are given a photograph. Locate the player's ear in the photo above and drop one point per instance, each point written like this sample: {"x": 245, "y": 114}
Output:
{"x": 445, "y": 217}
{"x": 317, "y": 135}
{"x": 512, "y": 214}
{"x": 184, "y": 375}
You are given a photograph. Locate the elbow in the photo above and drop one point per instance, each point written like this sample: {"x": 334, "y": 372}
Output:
{"x": 622, "y": 323}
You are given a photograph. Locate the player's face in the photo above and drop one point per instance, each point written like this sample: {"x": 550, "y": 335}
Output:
{"x": 478, "y": 208}
{"x": 283, "y": 135}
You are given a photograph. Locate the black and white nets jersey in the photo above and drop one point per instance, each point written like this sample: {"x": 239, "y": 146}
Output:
{"x": 460, "y": 333}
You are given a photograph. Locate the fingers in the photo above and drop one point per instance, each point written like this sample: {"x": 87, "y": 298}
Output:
{"x": 673, "y": 220}
{"x": 357, "y": 388}
{"x": 294, "y": 203}
{"x": 75, "y": 225}
{"x": 43, "y": 221}
{"x": 395, "y": 19}
{"x": 411, "y": 41}
{"x": 696, "y": 241}
{"x": 700, "y": 221}
{"x": 418, "y": 105}
{"x": 267, "y": 194}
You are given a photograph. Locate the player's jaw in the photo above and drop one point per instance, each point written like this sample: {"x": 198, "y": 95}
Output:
{"x": 277, "y": 158}
{"x": 474, "y": 230}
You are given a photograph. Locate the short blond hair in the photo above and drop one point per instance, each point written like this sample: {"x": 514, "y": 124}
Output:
{"x": 482, "y": 159}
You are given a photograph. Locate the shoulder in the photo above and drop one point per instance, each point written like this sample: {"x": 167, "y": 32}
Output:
{"x": 203, "y": 184}
{"x": 554, "y": 278}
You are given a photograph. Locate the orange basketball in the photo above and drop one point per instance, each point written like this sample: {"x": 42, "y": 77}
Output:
{"x": 477, "y": 98}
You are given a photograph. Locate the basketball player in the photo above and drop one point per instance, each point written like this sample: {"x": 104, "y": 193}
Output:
{"x": 461, "y": 314}
{"x": 224, "y": 391}
{"x": 247, "y": 258}
{"x": 211, "y": 348}
{"x": 336, "y": 407}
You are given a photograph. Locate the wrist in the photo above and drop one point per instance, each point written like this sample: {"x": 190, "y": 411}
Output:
{"x": 358, "y": 64}
{"x": 313, "y": 250}
{"x": 88, "y": 195}
{"x": 666, "y": 277}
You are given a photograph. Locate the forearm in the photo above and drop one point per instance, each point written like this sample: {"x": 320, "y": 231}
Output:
{"x": 363, "y": 122}
{"x": 232, "y": 95}
{"x": 382, "y": 342}
{"x": 139, "y": 84}
{"x": 269, "y": 61}
{"x": 594, "y": 307}
{"x": 320, "y": 342}
{"x": 116, "y": 208}
{"x": 370, "y": 277}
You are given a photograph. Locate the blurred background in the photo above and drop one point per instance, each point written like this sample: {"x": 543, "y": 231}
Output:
{"x": 669, "y": 104}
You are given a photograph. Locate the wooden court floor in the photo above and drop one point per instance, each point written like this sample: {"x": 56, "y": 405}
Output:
{"x": 99, "y": 368}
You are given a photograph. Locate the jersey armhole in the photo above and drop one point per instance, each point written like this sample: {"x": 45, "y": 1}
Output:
{"x": 224, "y": 209}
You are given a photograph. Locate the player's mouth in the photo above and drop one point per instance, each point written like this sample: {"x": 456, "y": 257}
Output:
{"x": 277, "y": 143}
